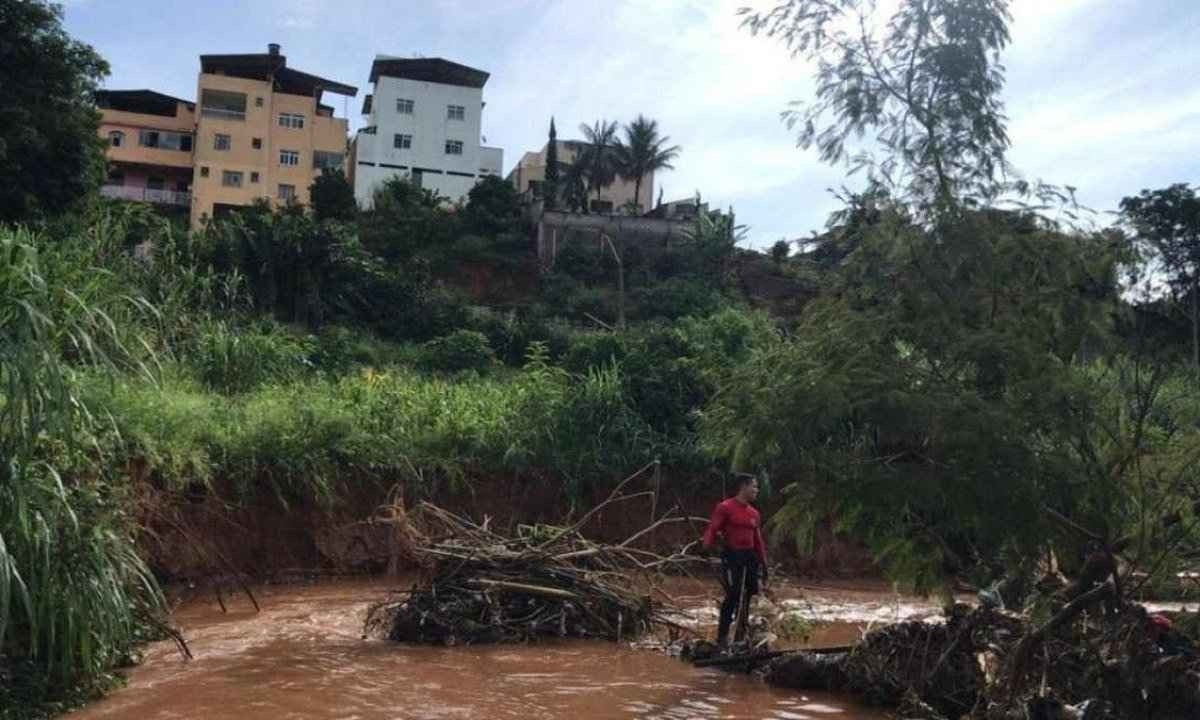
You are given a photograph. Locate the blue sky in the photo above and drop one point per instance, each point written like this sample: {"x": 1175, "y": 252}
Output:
{"x": 1102, "y": 94}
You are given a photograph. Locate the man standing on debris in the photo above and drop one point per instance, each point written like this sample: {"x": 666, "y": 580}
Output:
{"x": 744, "y": 555}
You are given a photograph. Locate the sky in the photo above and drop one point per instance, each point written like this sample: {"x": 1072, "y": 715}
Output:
{"x": 1102, "y": 95}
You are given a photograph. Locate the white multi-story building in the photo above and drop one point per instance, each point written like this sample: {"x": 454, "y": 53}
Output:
{"x": 423, "y": 121}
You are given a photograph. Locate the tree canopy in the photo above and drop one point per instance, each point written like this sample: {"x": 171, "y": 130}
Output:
{"x": 51, "y": 156}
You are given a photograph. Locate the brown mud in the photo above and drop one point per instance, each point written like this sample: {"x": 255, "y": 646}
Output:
{"x": 303, "y": 656}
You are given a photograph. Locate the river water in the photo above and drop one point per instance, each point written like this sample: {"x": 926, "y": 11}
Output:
{"x": 303, "y": 656}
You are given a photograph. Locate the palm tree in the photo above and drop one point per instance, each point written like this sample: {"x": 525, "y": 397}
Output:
{"x": 642, "y": 153}
{"x": 598, "y": 158}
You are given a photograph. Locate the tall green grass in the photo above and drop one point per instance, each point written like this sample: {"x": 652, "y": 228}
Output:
{"x": 71, "y": 581}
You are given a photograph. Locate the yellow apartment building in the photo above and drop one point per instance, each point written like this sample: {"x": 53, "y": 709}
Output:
{"x": 261, "y": 132}
{"x": 258, "y": 130}
{"x": 149, "y": 138}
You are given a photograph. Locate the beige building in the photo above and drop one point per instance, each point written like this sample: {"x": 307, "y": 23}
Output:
{"x": 261, "y": 132}
{"x": 150, "y": 139}
{"x": 530, "y": 173}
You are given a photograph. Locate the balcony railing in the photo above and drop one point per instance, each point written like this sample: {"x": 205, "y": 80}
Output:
{"x": 160, "y": 197}
{"x": 223, "y": 113}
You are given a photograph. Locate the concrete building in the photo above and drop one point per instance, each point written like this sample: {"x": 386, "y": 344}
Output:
{"x": 529, "y": 174}
{"x": 262, "y": 132}
{"x": 423, "y": 121}
{"x": 150, "y": 139}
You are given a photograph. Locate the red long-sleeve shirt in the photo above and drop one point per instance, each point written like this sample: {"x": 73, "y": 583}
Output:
{"x": 740, "y": 524}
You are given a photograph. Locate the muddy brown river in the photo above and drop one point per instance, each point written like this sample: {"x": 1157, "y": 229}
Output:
{"x": 303, "y": 656}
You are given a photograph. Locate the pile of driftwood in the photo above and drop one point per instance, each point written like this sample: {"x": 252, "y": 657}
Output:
{"x": 1094, "y": 657}
{"x": 478, "y": 585}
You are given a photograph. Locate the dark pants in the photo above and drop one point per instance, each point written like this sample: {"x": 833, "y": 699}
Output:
{"x": 739, "y": 575}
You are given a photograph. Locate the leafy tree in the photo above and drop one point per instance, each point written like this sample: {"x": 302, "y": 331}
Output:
{"x": 332, "y": 196}
{"x": 926, "y": 83}
{"x": 780, "y": 251}
{"x": 598, "y": 158}
{"x": 643, "y": 152}
{"x": 405, "y": 219}
{"x": 493, "y": 208}
{"x": 1169, "y": 221}
{"x": 550, "y": 189}
{"x": 51, "y": 156}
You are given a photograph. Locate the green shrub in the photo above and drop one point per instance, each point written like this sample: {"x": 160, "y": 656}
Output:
{"x": 594, "y": 350}
{"x": 458, "y": 351}
{"x": 230, "y": 360}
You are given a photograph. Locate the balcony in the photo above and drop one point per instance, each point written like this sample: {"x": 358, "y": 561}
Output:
{"x": 223, "y": 114}
{"x": 158, "y": 197}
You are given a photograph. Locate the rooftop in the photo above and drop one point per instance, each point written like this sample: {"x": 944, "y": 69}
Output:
{"x": 272, "y": 65}
{"x": 146, "y": 102}
{"x": 435, "y": 70}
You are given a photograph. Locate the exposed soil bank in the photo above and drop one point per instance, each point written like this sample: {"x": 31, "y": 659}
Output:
{"x": 201, "y": 534}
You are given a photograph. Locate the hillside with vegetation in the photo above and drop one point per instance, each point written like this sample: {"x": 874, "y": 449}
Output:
{"x": 964, "y": 387}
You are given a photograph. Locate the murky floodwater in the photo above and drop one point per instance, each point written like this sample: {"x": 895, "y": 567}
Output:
{"x": 303, "y": 657}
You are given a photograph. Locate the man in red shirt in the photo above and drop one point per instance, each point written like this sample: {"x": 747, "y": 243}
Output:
{"x": 744, "y": 555}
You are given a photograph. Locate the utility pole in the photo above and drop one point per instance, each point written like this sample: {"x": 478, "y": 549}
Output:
{"x": 620, "y": 280}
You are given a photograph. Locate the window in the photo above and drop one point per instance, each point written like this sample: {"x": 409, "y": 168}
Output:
{"x": 203, "y": 171}
{"x": 221, "y": 142}
{"x": 602, "y": 206}
{"x": 455, "y": 112}
{"x": 401, "y": 141}
{"x": 291, "y": 120}
{"x": 256, "y": 143}
{"x": 223, "y": 105}
{"x": 404, "y": 106}
{"x": 258, "y": 101}
{"x": 287, "y": 192}
{"x": 454, "y": 147}
{"x": 165, "y": 140}
{"x": 116, "y": 138}
{"x": 323, "y": 159}
{"x": 155, "y": 183}
{"x": 254, "y": 177}
{"x": 289, "y": 157}
{"x": 231, "y": 178}
{"x": 417, "y": 177}
{"x": 182, "y": 186}
{"x": 115, "y": 177}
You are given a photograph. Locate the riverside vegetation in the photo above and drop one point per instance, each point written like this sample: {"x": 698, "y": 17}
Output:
{"x": 971, "y": 387}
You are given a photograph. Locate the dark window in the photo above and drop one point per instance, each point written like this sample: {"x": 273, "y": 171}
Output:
{"x": 148, "y": 138}
{"x": 223, "y": 104}
{"x": 417, "y": 177}
{"x": 602, "y": 206}
{"x": 185, "y": 143}
{"x": 155, "y": 183}
{"x": 253, "y": 177}
{"x": 454, "y": 147}
{"x": 116, "y": 177}
{"x": 116, "y": 138}
{"x": 287, "y": 192}
{"x": 401, "y": 141}
{"x": 256, "y": 143}
{"x": 258, "y": 101}
{"x": 231, "y": 178}
{"x": 222, "y": 141}
{"x": 181, "y": 186}
{"x": 203, "y": 171}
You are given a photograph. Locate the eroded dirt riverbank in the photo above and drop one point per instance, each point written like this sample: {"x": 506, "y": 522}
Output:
{"x": 303, "y": 657}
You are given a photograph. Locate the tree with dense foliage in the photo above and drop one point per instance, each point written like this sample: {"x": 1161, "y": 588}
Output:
{"x": 643, "y": 152}
{"x": 332, "y": 196}
{"x": 926, "y": 82}
{"x": 780, "y": 251}
{"x": 493, "y": 208}
{"x": 550, "y": 189}
{"x": 1168, "y": 220}
{"x": 598, "y": 157}
{"x": 575, "y": 186}
{"x": 930, "y": 398}
{"x": 51, "y": 157}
